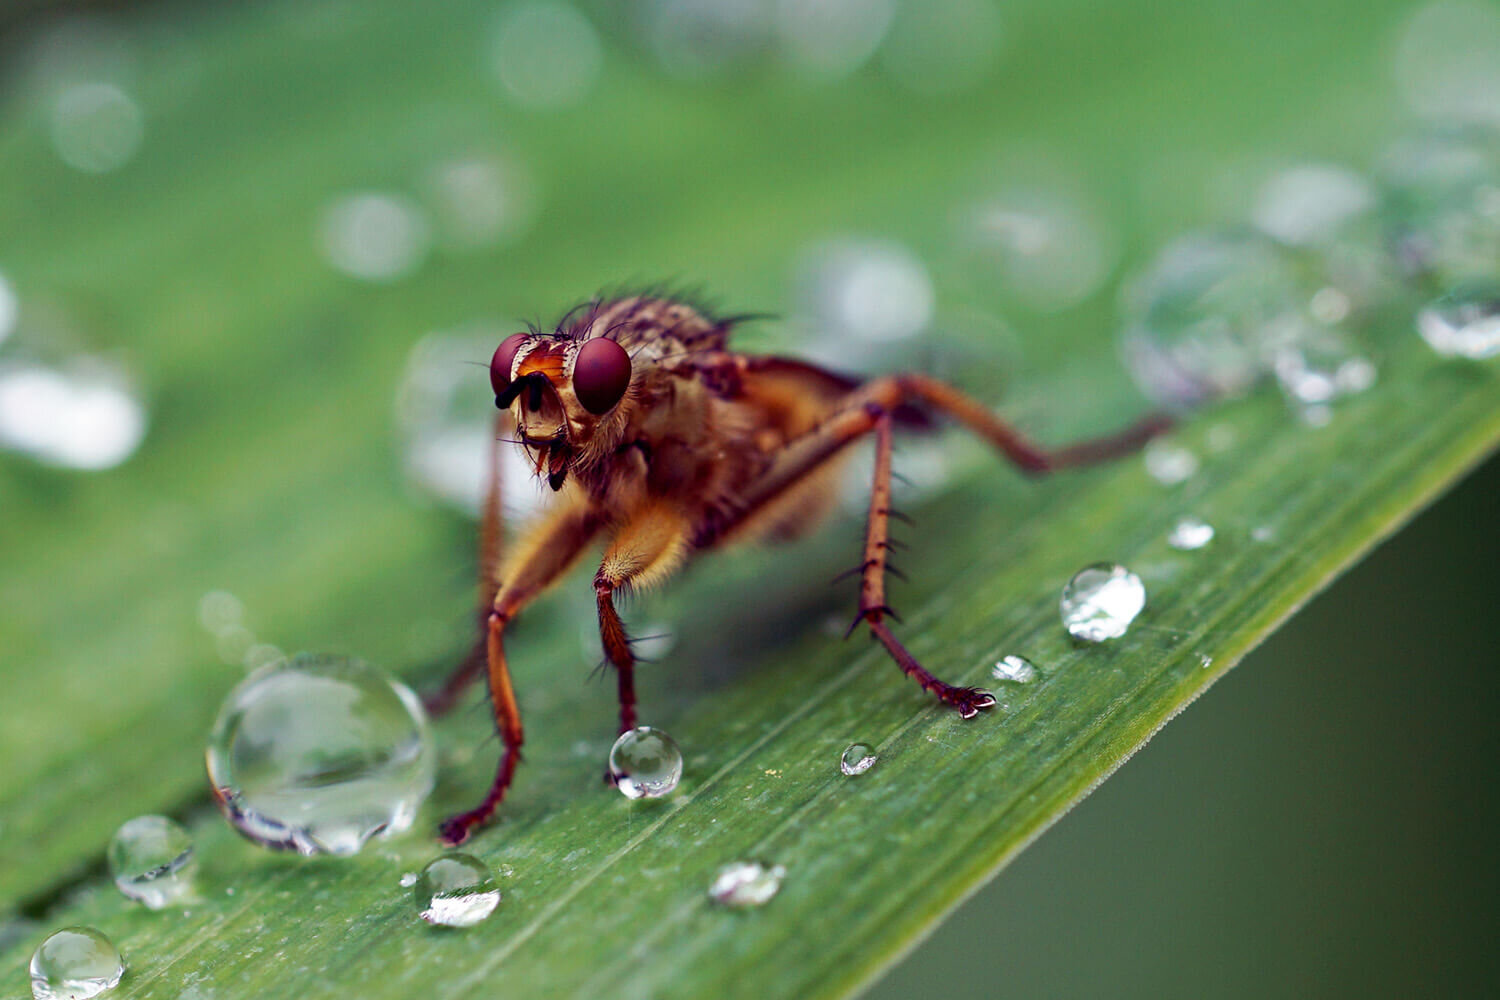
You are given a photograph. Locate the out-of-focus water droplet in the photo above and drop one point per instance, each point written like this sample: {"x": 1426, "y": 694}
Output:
{"x": 480, "y": 201}
{"x": 699, "y": 38}
{"x": 744, "y": 884}
{"x": 96, "y": 127}
{"x": 219, "y": 609}
{"x": 456, "y": 890}
{"x": 445, "y": 411}
{"x": 1448, "y": 61}
{"x": 1016, "y": 669}
{"x": 857, "y": 759}
{"x": 151, "y": 859}
{"x": 75, "y": 963}
{"x": 545, "y": 54}
{"x": 10, "y": 308}
{"x": 82, "y": 416}
{"x": 1169, "y": 463}
{"x": 645, "y": 763}
{"x": 1190, "y": 533}
{"x": 1198, "y": 319}
{"x": 1101, "y": 601}
{"x": 1311, "y": 203}
{"x": 864, "y": 290}
{"x": 1464, "y": 323}
{"x": 318, "y": 754}
{"x": 1315, "y": 364}
{"x": 942, "y": 46}
{"x": 1262, "y": 533}
{"x": 1047, "y": 247}
{"x": 374, "y": 235}
{"x": 1442, "y": 204}
{"x": 826, "y": 39}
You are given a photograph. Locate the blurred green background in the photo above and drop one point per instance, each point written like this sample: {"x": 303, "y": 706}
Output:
{"x": 248, "y": 216}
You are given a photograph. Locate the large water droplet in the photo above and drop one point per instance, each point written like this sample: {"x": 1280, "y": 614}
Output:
{"x": 746, "y": 883}
{"x": 83, "y": 416}
{"x": 96, "y": 127}
{"x": 318, "y": 754}
{"x": 1448, "y": 61}
{"x": 1048, "y": 247}
{"x": 75, "y": 963}
{"x": 1190, "y": 533}
{"x": 456, "y": 890}
{"x": 1442, "y": 203}
{"x": 1101, "y": 601}
{"x": 480, "y": 201}
{"x": 151, "y": 859}
{"x": 857, "y": 759}
{"x": 1465, "y": 323}
{"x": 545, "y": 54}
{"x": 645, "y": 763}
{"x": 1016, "y": 669}
{"x": 830, "y": 38}
{"x": 374, "y": 235}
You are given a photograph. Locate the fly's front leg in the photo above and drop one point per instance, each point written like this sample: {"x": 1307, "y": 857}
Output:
{"x": 645, "y": 550}
{"x": 872, "y": 606}
{"x": 541, "y": 559}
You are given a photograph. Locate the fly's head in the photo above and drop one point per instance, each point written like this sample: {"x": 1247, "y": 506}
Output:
{"x": 570, "y": 397}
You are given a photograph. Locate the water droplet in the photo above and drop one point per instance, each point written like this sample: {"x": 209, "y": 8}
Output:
{"x": 857, "y": 759}
{"x": 864, "y": 290}
{"x": 1311, "y": 203}
{"x": 698, "y": 38}
{"x": 151, "y": 859}
{"x": 218, "y": 610}
{"x": 942, "y": 46}
{"x": 1442, "y": 202}
{"x": 83, "y": 416}
{"x": 1262, "y": 533}
{"x": 1101, "y": 601}
{"x": 317, "y": 754}
{"x": 1464, "y": 323}
{"x": 743, "y": 884}
{"x": 1190, "y": 533}
{"x": 1448, "y": 61}
{"x": 408, "y": 879}
{"x": 456, "y": 890}
{"x": 1047, "y": 247}
{"x": 1016, "y": 669}
{"x": 10, "y": 308}
{"x": 545, "y": 54}
{"x": 826, "y": 39}
{"x": 96, "y": 127}
{"x": 374, "y": 235}
{"x": 262, "y": 654}
{"x": 73, "y": 964}
{"x": 1169, "y": 463}
{"x": 480, "y": 201}
{"x": 645, "y": 763}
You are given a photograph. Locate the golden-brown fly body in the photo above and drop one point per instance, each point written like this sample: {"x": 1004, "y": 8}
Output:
{"x": 659, "y": 442}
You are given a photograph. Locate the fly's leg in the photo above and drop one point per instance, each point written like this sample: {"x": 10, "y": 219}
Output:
{"x": 644, "y": 551}
{"x": 872, "y": 606}
{"x": 540, "y": 560}
{"x": 491, "y": 538}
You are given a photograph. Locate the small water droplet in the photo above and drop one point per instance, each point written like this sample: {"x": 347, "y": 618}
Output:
{"x": 645, "y": 763}
{"x": 408, "y": 879}
{"x": 1204, "y": 660}
{"x": 1016, "y": 669}
{"x": 1101, "y": 601}
{"x": 1463, "y": 324}
{"x": 317, "y": 754}
{"x": 1316, "y": 415}
{"x": 743, "y": 884}
{"x": 1169, "y": 463}
{"x": 83, "y": 416}
{"x": 1262, "y": 533}
{"x": 857, "y": 759}
{"x": 73, "y": 964}
{"x": 456, "y": 890}
{"x": 218, "y": 610}
{"x": 1190, "y": 533}
{"x": 374, "y": 235}
{"x": 480, "y": 201}
{"x": 546, "y": 54}
{"x": 151, "y": 859}
{"x": 1442, "y": 204}
{"x": 10, "y": 308}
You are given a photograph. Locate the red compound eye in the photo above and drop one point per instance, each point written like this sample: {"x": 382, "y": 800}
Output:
{"x": 502, "y": 362}
{"x": 600, "y": 375}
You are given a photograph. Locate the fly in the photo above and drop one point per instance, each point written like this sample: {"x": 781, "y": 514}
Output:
{"x": 661, "y": 442}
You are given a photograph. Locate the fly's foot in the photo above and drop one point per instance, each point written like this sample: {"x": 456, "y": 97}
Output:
{"x": 968, "y": 701}
{"x": 456, "y": 829}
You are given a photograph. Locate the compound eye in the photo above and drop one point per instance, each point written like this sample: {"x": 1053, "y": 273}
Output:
{"x": 503, "y": 361}
{"x": 601, "y": 374}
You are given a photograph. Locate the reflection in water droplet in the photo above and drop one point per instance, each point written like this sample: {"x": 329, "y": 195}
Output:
{"x": 10, "y": 308}
{"x": 151, "y": 859}
{"x": 318, "y": 754}
{"x": 1101, "y": 601}
{"x": 1311, "y": 203}
{"x": 1448, "y": 61}
{"x": 456, "y": 890}
{"x": 85, "y": 416}
{"x": 96, "y": 127}
{"x": 1464, "y": 323}
{"x": 831, "y": 38}
{"x": 857, "y": 759}
{"x": 942, "y": 46}
{"x": 545, "y": 54}
{"x": 1190, "y": 533}
{"x": 743, "y": 884}
{"x": 1016, "y": 669}
{"x": 645, "y": 763}
{"x": 374, "y": 235}
{"x": 73, "y": 964}
{"x": 865, "y": 290}
{"x": 1169, "y": 463}
{"x": 1046, "y": 246}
